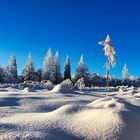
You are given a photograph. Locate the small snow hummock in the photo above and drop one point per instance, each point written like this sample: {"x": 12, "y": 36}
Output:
{"x": 80, "y": 84}
{"x": 60, "y": 88}
{"x": 28, "y": 89}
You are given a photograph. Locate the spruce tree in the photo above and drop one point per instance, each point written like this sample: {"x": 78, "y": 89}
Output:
{"x": 29, "y": 71}
{"x": 1, "y": 74}
{"x": 10, "y": 71}
{"x": 13, "y": 69}
{"x": 47, "y": 73}
{"x": 125, "y": 72}
{"x": 57, "y": 73}
{"x": 67, "y": 69}
{"x": 82, "y": 70}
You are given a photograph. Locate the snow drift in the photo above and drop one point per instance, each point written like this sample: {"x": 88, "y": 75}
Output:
{"x": 69, "y": 116}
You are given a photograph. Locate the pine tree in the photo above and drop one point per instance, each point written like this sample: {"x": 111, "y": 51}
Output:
{"x": 47, "y": 73}
{"x": 10, "y": 71}
{"x": 125, "y": 72}
{"x": 13, "y": 69}
{"x": 1, "y": 74}
{"x": 29, "y": 71}
{"x": 82, "y": 70}
{"x": 67, "y": 69}
{"x": 57, "y": 73}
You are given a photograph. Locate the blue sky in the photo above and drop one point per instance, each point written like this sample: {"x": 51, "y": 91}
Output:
{"x": 73, "y": 27}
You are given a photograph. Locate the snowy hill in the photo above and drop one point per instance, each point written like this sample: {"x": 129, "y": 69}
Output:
{"x": 90, "y": 114}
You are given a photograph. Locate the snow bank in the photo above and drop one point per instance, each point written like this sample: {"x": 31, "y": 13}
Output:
{"x": 80, "y": 121}
{"x": 60, "y": 88}
{"x": 76, "y": 116}
{"x": 28, "y": 89}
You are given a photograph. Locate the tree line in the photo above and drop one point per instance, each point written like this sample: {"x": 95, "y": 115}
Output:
{"x": 51, "y": 71}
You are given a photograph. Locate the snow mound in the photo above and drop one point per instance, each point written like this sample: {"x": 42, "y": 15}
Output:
{"x": 79, "y": 122}
{"x": 67, "y": 83}
{"x": 28, "y": 89}
{"x": 71, "y": 117}
{"x": 61, "y": 89}
{"x": 108, "y": 103}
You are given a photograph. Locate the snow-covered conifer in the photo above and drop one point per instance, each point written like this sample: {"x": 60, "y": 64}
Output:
{"x": 29, "y": 71}
{"x": 13, "y": 69}
{"x": 47, "y": 73}
{"x": 10, "y": 71}
{"x": 82, "y": 70}
{"x": 125, "y": 72}
{"x": 1, "y": 74}
{"x": 57, "y": 73}
{"x": 67, "y": 69}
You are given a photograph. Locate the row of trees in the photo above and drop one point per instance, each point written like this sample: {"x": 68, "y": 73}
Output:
{"x": 52, "y": 71}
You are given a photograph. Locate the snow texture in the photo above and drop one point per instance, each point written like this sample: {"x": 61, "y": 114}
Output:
{"x": 91, "y": 114}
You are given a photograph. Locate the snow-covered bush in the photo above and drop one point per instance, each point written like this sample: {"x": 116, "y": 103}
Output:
{"x": 80, "y": 84}
{"x": 67, "y": 83}
{"x": 46, "y": 84}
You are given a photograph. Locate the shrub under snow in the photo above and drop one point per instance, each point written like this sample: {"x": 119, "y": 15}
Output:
{"x": 67, "y": 83}
{"x": 80, "y": 84}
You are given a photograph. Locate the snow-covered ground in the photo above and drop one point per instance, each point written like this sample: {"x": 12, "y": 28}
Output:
{"x": 92, "y": 114}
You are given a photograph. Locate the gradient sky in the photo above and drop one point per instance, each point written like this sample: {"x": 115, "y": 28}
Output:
{"x": 73, "y": 27}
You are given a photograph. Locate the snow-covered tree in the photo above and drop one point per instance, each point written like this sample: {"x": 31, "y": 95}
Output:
{"x": 80, "y": 84}
{"x": 125, "y": 72}
{"x": 1, "y": 74}
{"x": 67, "y": 69}
{"x": 29, "y": 71}
{"x": 47, "y": 73}
{"x": 13, "y": 69}
{"x": 110, "y": 53}
{"x": 57, "y": 73}
{"x": 82, "y": 70}
{"x": 38, "y": 75}
{"x": 10, "y": 71}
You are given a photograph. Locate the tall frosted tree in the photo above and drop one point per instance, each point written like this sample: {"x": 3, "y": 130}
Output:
{"x": 67, "y": 69}
{"x": 1, "y": 74}
{"x": 10, "y": 71}
{"x": 47, "y": 73}
{"x": 110, "y": 53}
{"x": 82, "y": 70}
{"x": 57, "y": 73}
{"x": 13, "y": 69}
{"x": 29, "y": 71}
{"x": 125, "y": 72}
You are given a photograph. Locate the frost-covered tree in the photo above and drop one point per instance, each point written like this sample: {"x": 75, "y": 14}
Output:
{"x": 125, "y": 72}
{"x": 13, "y": 69}
{"x": 82, "y": 70}
{"x": 10, "y": 71}
{"x": 57, "y": 73}
{"x": 29, "y": 71}
{"x": 38, "y": 75}
{"x": 67, "y": 69}
{"x": 110, "y": 53}
{"x": 47, "y": 73}
{"x": 1, "y": 74}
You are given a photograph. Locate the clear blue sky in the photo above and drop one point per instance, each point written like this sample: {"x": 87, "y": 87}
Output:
{"x": 73, "y": 27}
